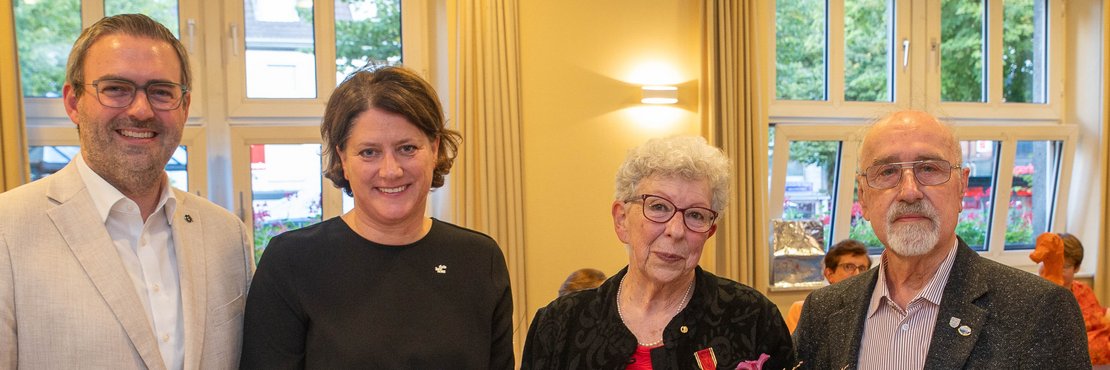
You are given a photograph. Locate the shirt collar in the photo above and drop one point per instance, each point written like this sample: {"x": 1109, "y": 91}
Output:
{"x": 105, "y": 196}
{"x": 933, "y": 291}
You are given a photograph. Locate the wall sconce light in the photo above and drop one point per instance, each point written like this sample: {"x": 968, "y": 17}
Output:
{"x": 656, "y": 94}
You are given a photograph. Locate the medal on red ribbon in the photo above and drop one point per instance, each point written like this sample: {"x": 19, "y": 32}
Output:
{"x": 707, "y": 360}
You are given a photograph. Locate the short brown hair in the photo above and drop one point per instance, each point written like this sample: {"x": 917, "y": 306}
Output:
{"x": 582, "y": 279}
{"x": 393, "y": 89}
{"x": 846, "y": 247}
{"x": 1073, "y": 249}
{"x": 137, "y": 25}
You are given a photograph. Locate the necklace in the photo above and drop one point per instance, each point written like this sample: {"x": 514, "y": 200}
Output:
{"x": 680, "y": 303}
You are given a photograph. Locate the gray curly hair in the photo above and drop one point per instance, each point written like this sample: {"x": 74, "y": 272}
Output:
{"x": 685, "y": 157}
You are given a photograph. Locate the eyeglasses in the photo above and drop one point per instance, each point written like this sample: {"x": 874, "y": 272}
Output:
{"x": 661, "y": 210}
{"x": 927, "y": 173}
{"x": 121, "y": 93}
{"x": 851, "y": 268}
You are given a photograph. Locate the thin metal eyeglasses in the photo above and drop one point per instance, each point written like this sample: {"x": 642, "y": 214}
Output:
{"x": 927, "y": 173}
{"x": 121, "y": 93}
{"x": 660, "y": 210}
{"x": 851, "y": 268}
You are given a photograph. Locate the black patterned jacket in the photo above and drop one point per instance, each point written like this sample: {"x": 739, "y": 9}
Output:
{"x": 582, "y": 330}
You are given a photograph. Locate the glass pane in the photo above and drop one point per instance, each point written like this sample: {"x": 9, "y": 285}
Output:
{"x": 1033, "y": 193}
{"x": 45, "y": 31}
{"x": 280, "y": 49}
{"x": 178, "y": 168}
{"x": 962, "y": 49}
{"x": 45, "y": 160}
{"x": 366, "y": 31}
{"x": 163, "y": 11}
{"x": 811, "y": 183}
{"x": 868, "y": 60}
{"x": 982, "y": 159}
{"x": 800, "y": 50}
{"x": 1024, "y": 38}
{"x": 861, "y": 228}
{"x": 285, "y": 189}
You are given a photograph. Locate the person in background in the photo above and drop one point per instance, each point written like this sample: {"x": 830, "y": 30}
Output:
{"x": 846, "y": 258}
{"x": 933, "y": 303}
{"x": 1094, "y": 314}
{"x": 103, "y": 265}
{"x": 581, "y": 279}
{"x": 383, "y": 286}
{"x": 663, "y": 311}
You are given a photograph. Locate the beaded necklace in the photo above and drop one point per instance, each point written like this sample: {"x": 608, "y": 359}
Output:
{"x": 681, "y": 304}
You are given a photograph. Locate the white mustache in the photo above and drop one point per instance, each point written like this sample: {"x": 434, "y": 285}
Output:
{"x": 922, "y": 208}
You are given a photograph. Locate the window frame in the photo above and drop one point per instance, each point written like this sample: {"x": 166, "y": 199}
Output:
{"x": 331, "y": 202}
{"x": 851, "y": 135}
{"x": 416, "y": 44}
{"x": 43, "y": 111}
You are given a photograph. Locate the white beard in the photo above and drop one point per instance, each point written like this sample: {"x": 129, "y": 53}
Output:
{"x": 912, "y": 239}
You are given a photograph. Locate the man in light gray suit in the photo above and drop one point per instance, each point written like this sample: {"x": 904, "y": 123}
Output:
{"x": 933, "y": 303}
{"x": 104, "y": 265}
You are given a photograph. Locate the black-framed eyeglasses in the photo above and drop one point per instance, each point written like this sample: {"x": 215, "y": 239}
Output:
{"x": 161, "y": 95}
{"x": 927, "y": 172}
{"x": 660, "y": 210}
{"x": 851, "y": 267}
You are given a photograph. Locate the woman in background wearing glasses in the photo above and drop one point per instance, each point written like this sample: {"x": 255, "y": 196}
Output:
{"x": 662, "y": 311}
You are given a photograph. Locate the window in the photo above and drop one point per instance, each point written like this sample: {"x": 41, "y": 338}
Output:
{"x": 278, "y": 64}
{"x": 984, "y": 66}
{"x": 282, "y": 58}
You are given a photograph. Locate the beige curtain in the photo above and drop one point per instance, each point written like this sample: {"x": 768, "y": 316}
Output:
{"x": 487, "y": 190}
{"x": 1102, "y": 276}
{"x": 736, "y": 114}
{"x": 13, "y": 150}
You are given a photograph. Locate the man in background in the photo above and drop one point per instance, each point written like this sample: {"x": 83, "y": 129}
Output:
{"x": 933, "y": 302}
{"x": 846, "y": 258}
{"x": 103, "y": 264}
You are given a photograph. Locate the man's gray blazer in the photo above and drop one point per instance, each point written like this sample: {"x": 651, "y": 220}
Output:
{"x": 1018, "y": 321}
{"x": 66, "y": 301}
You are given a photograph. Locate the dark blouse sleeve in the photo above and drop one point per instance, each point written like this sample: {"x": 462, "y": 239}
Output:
{"x": 273, "y": 327}
{"x": 536, "y": 354}
{"x": 778, "y": 343}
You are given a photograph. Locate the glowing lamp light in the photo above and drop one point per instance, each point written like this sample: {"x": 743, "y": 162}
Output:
{"x": 655, "y": 94}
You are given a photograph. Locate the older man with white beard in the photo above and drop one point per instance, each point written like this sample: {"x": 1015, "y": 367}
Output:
{"x": 933, "y": 302}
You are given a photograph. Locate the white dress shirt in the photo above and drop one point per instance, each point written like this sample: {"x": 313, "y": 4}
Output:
{"x": 147, "y": 251}
{"x": 898, "y": 337}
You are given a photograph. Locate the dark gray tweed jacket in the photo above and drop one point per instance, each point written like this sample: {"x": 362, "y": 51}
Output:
{"x": 1018, "y": 321}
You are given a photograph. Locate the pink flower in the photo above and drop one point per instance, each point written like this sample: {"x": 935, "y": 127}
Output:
{"x": 1024, "y": 170}
{"x": 753, "y": 364}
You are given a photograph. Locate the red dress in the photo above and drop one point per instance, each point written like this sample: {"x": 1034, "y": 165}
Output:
{"x": 1098, "y": 326}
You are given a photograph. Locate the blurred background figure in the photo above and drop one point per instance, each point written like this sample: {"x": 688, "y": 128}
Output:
{"x": 846, "y": 258}
{"x": 580, "y": 279}
{"x": 1094, "y": 314}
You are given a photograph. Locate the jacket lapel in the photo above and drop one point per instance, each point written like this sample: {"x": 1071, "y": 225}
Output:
{"x": 850, "y": 320}
{"x": 93, "y": 247}
{"x": 189, "y": 246}
{"x": 960, "y": 319}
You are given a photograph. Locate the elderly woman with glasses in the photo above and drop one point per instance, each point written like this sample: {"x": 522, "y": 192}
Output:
{"x": 663, "y": 311}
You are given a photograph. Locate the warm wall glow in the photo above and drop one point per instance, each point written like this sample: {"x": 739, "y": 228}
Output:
{"x": 655, "y": 73}
{"x": 654, "y": 120}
